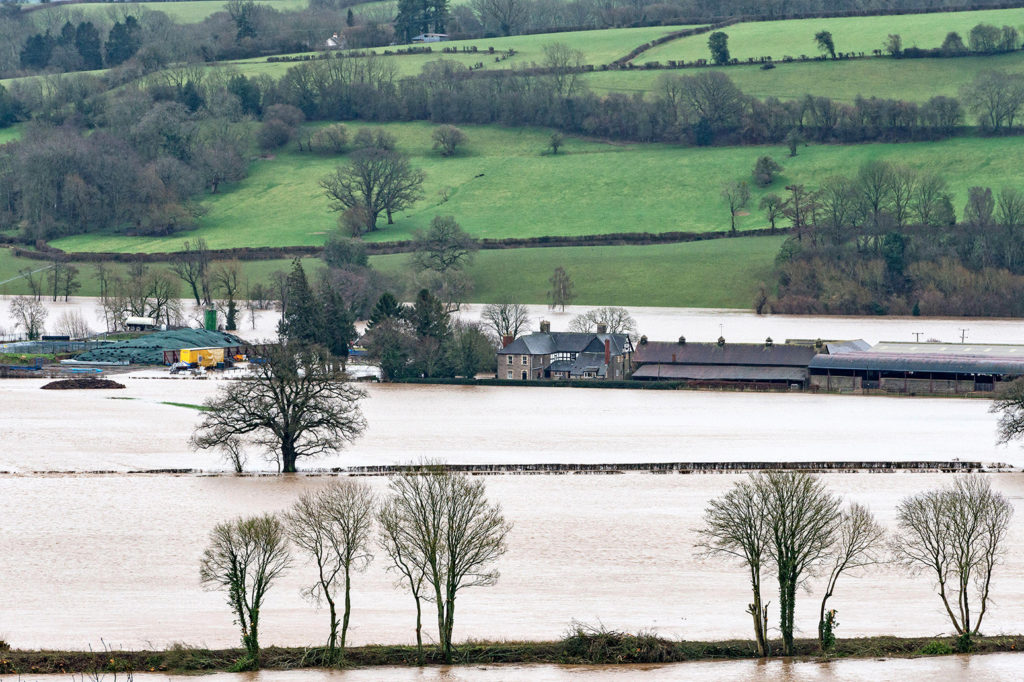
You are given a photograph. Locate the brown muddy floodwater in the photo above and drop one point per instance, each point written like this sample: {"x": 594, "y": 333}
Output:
{"x": 86, "y": 558}
{"x": 133, "y": 429}
{"x": 1003, "y": 667}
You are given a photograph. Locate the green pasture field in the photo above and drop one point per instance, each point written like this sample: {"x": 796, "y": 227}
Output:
{"x": 501, "y": 185}
{"x": 719, "y": 273}
{"x": 10, "y": 133}
{"x": 914, "y": 80}
{"x": 795, "y": 37}
{"x": 185, "y": 12}
{"x": 598, "y": 47}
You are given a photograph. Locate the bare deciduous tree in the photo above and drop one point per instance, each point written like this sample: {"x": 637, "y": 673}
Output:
{"x": 735, "y": 526}
{"x": 444, "y": 246}
{"x": 398, "y": 542}
{"x": 615, "y": 320}
{"x": 447, "y": 138}
{"x": 452, "y": 533}
{"x": 333, "y": 526}
{"x": 957, "y": 534}
{"x": 29, "y": 314}
{"x": 296, "y": 404}
{"x": 736, "y": 195}
{"x": 506, "y": 319}
{"x": 244, "y": 558}
{"x": 376, "y": 181}
{"x": 73, "y": 324}
{"x": 561, "y": 293}
{"x": 192, "y": 265}
{"x": 858, "y": 544}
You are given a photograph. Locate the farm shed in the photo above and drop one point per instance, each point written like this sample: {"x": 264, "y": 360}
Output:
{"x": 722, "y": 362}
{"x": 920, "y": 368}
{"x": 161, "y": 348}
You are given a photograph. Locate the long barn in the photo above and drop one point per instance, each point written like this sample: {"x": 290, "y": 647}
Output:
{"x": 920, "y": 368}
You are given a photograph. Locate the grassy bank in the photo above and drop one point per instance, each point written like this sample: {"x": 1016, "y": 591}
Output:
{"x": 580, "y": 647}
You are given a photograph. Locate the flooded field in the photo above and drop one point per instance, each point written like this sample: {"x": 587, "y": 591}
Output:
{"x": 133, "y": 429}
{"x": 86, "y": 558}
{"x": 667, "y": 324}
{"x": 986, "y": 668}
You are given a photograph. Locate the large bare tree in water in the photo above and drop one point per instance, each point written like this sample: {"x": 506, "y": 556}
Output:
{"x": 296, "y": 404}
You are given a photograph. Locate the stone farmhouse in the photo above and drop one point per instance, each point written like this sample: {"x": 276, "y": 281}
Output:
{"x": 565, "y": 355}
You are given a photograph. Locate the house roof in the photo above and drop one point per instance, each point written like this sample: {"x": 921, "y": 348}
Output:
{"x": 547, "y": 343}
{"x": 584, "y": 362}
{"x": 720, "y": 373}
{"x": 918, "y": 362}
{"x": 667, "y": 352}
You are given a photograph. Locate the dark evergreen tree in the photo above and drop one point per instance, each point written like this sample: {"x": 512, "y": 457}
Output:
{"x": 387, "y": 308}
{"x": 89, "y": 45}
{"x": 339, "y": 322}
{"x": 429, "y": 317}
{"x": 124, "y": 41}
{"x": 303, "y": 317}
{"x": 350, "y": 19}
{"x": 718, "y": 43}
{"x": 37, "y": 51}
{"x": 190, "y": 97}
{"x": 248, "y": 94}
{"x": 11, "y": 110}
{"x": 67, "y": 35}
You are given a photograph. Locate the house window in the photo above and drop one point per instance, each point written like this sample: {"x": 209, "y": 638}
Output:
{"x": 525, "y": 361}
{"x": 510, "y": 374}
{"x": 563, "y": 356}
{"x": 510, "y": 359}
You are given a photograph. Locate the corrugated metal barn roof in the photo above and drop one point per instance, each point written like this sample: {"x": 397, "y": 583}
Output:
{"x": 899, "y": 362}
{"x": 720, "y": 373}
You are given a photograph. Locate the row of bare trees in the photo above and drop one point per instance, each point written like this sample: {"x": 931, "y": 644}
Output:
{"x": 437, "y": 529}
{"x": 790, "y": 524}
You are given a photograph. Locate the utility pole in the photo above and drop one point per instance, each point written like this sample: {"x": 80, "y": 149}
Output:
{"x": 963, "y": 334}
{"x": 917, "y": 336}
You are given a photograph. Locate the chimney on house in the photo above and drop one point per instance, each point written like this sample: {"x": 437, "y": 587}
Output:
{"x": 506, "y": 340}
{"x": 545, "y": 327}
{"x": 602, "y": 329}
{"x": 607, "y": 351}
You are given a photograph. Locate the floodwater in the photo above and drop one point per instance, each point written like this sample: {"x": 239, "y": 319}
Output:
{"x": 662, "y": 324}
{"x": 104, "y": 430}
{"x": 980, "y": 668}
{"x": 115, "y": 558}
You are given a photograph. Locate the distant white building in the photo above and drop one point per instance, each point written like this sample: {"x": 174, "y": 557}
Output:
{"x": 430, "y": 38}
{"x": 335, "y": 42}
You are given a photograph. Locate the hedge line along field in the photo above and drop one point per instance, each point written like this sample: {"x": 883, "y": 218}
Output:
{"x": 795, "y": 37}
{"x": 183, "y": 12}
{"x": 915, "y": 80}
{"x": 598, "y": 47}
{"x": 719, "y": 273}
{"x": 501, "y": 184}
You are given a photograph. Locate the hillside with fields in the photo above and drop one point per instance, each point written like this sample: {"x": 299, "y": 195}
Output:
{"x": 231, "y": 151}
